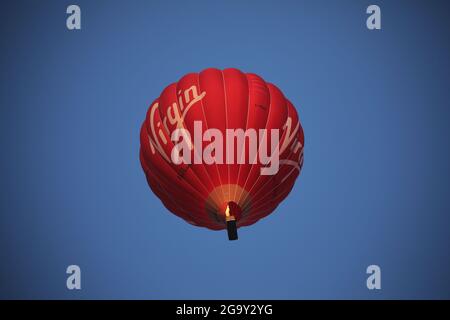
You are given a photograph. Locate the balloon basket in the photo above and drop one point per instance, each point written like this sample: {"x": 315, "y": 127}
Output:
{"x": 232, "y": 229}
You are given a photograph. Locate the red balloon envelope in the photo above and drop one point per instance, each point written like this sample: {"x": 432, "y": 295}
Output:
{"x": 221, "y": 149}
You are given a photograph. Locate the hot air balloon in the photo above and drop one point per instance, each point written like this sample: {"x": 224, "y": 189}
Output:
{"x": 221, "y": 148}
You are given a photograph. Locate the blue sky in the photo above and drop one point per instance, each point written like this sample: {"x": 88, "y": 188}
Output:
{"x": 375, "y": 181}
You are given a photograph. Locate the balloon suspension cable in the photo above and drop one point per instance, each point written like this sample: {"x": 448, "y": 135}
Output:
{"x": 231, "y": 224}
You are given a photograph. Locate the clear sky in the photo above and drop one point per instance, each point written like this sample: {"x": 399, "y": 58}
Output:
{"x": 374, "y": 187}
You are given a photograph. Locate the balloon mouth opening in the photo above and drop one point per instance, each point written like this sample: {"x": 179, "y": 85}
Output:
{"x": 232, "y": 195}
{"x": 232, "y": 211}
